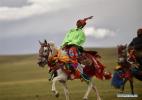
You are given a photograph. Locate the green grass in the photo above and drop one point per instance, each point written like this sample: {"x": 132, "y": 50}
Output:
{"x": 22, "y": 79}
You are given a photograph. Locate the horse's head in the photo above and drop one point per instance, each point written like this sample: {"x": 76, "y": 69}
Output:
{"x": 122, "y": 53}
{"x": 132, "y": 55}
{"x": 44, "y": 53}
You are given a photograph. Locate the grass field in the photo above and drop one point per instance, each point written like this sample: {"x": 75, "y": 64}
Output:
{"x": 22, "y": 79}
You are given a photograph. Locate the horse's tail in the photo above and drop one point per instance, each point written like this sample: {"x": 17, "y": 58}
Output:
{"x": 137, "y": 73}
{"x": 99, "y": 71}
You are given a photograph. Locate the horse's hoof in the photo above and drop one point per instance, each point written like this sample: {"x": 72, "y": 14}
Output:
{"x": 99, "y": 99}
{"x": 54, "y": 92}
{"x": 85, "y": 98}
{"x": 133, "y": 93}
{"x": 37, "y": 96}
{"x": 57, "y": 95}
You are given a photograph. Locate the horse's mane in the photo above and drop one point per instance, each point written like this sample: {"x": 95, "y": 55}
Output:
{"x": 93, "y": 53}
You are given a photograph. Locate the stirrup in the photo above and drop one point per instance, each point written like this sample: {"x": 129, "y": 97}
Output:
{"x": 85, "y": 77}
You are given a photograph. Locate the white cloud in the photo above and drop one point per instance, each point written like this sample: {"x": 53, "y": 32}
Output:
{"x": 98, "y": 33}
{"x": 36, "y": 7}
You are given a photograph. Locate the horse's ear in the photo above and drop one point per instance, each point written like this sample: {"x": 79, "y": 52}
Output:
{"x": 125, "y": 45}
{"x": 45, "y": 41}
{"x": 40, "y": 43}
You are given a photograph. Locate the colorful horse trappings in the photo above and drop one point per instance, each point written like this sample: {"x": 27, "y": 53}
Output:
{"x": 126, "y": 69}
{"x": 59, "y": 61}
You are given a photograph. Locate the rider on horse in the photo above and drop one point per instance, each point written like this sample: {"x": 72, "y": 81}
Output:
{"x": 73, "y": 42}
{"x": 136, "y": 44}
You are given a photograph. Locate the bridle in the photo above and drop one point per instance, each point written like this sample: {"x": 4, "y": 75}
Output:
{"x": 44, "y": 53}
{"x": 122, "y": 53}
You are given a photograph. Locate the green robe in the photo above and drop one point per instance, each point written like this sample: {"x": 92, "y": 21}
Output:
{"x": 75, "y": 36}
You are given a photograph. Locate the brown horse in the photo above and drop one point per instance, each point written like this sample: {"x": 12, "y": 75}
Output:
{"x": 123, "y": 72}
{"x": 57, "y": 60}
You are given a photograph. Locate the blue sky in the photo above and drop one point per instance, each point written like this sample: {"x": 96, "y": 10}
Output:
{"x": 24, "y": 22}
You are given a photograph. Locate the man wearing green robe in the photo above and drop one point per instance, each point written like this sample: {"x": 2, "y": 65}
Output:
{"x": 72, "y": 44}
{"x": 75, "y": 36}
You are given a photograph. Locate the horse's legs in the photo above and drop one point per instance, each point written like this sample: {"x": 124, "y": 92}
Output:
{"x": 91, "y": 85}
{"x": 88, "y": 91}
{"x": 131, "y": 85}
{"x": 123, "y": 86}
{"x": 97, "y": 93}
{"x": 62, "y": 77}
{"x": 55, "y": 79}
{"x": 65, "y": 90}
